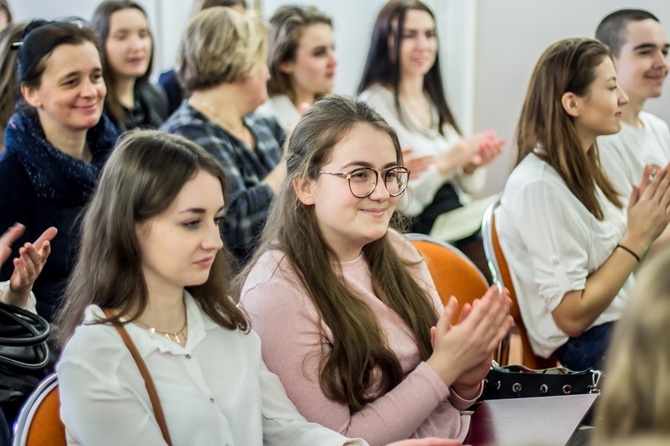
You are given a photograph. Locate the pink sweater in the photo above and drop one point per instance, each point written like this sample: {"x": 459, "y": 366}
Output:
{"x": 292, "y": 336}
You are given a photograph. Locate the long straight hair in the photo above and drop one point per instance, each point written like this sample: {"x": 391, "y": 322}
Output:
{"x": 382, "y": 65}
{"x": 101, "y": 22}
{"x": 566, "y": 66}
{"x": 359, "y": 344}
{"x": 142, "y": 177}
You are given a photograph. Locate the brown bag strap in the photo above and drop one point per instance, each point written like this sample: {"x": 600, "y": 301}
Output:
{"x": 151, "y": 388}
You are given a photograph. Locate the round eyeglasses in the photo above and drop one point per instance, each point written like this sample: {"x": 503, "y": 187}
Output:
{"x": 363, "y": 181}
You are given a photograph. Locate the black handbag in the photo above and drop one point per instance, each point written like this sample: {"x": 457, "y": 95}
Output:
{"x": 24, "y": 356}
{"x": 516, "y": 381}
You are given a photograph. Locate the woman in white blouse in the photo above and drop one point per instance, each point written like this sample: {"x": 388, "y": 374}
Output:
{"x": 301, "y": 60}
{"x": 152, "y": 253}
{"x": 570, "y": 243}
{"x": 402, "y": 81}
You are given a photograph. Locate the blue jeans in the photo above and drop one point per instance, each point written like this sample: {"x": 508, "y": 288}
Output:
{"x": 587, "y": 350}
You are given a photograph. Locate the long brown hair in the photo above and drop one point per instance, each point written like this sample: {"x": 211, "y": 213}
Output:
{"x": 566, "y": 66}
{"x": 359, "y": 344}
{"x": 382, "y": 65}
{"x": 101, "y": 23}
{"x": 636, "y": 394}
{"x": 143, "y": 176}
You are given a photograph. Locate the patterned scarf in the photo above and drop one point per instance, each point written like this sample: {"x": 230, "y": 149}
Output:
{"x": 55, "y": 175}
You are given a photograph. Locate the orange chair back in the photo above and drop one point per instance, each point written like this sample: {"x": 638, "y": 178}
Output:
{"x": 39, "y": 423}
{"x": 453, "y": 273}
{"x": 530, "y": 359}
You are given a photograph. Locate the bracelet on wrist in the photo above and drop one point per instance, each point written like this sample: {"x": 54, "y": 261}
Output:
{"x": 629, "y": 251}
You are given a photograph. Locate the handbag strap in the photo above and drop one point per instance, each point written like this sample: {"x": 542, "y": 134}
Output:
{"x": 37, "y": 328}
{"x": 151, "y": 388}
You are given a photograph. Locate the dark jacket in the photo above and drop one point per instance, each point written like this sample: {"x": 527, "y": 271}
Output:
{"x": 170, "y": 83}
{"x": 154, "y": 104}
{"x": 40, "y": 186}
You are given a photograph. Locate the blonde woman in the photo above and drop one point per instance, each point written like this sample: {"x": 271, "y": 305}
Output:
{"x": 168, "y": 79}
{"x": 221, "y": 62}
{"x": 636, "y": 395}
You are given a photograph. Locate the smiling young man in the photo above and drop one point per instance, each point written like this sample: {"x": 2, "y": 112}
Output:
{"x": 639, "y": 48}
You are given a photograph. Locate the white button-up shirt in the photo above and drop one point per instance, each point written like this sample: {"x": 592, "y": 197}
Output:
{"x": 553, "y": 244}
{"x": 215, "y": 390}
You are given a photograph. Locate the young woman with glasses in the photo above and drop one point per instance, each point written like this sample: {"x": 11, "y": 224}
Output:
{"x": 346, "y": 309}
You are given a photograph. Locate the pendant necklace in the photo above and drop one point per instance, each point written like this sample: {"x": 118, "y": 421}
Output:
{"x": 174, "y": 337}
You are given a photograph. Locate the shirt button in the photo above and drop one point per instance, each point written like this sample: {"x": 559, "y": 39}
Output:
{"x": 211, "y": 400}
{"x": 188, "y": 356}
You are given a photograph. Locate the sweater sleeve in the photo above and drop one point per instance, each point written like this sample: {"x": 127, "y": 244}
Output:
{"x": 294, "y": 355}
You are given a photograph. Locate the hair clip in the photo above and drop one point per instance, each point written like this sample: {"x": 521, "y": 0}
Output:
{"x": 16, "y": 45}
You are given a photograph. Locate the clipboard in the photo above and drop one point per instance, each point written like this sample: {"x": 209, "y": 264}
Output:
{"x": 461, "y": 222}
{"x": 539, "y": 421}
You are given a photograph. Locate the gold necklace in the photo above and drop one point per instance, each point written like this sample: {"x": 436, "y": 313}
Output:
{"x": 174, "y": 337}
{"x": 209, "y": 107}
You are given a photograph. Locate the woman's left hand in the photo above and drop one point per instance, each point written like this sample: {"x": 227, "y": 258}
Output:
{"x": 27, "y": 267}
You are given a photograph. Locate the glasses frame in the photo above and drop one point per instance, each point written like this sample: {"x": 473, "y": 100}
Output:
{"x": 348, "y": 176}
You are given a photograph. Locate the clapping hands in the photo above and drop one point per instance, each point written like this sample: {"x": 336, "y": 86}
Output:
{"x": 462, "y": 352}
